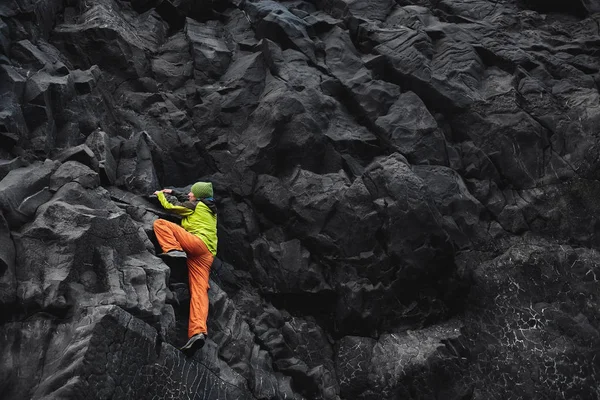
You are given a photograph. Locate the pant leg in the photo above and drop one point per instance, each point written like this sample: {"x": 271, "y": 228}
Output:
{"x": 165, "y": 234}
{"x": 199, "y": 259}
{"x": 199, "y": 264}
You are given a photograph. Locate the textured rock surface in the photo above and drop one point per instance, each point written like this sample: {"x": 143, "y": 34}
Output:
{"x": 407, "y": 192}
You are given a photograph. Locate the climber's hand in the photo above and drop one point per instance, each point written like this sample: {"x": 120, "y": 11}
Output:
{"x": 164, "y": 191}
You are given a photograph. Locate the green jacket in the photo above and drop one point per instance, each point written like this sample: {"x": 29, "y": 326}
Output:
{"x": 200, "y": 221}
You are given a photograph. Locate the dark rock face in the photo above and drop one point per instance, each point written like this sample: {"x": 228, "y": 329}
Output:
{"x": 541, "y": 321}
{"x": 407, "y": 193}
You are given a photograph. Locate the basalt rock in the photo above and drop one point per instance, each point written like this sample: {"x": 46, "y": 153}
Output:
{"x": 130, "y": 35}
{"x": 136, "y": 168}
{"x": 276, "y": 22}
{"x": 8, "y": 165}
{"x": 546, "y": 325}
{"x": 211, "y": 56}
{"x": 95, "y": 352}
{"x": 173, "y": 64}
{"x": 406, "y": 192}
{"x": 24, "y": 189}
{"x": 7, "y": 266}
{"x": 99, "y": 143}
{"x": 117, "y": 270}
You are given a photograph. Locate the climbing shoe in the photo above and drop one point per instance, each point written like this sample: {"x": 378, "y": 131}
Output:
{"x": 194, "y": 343}
{"x": 174, "y": 254}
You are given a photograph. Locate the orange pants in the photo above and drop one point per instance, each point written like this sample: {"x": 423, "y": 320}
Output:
{"x": 199, "y": 259}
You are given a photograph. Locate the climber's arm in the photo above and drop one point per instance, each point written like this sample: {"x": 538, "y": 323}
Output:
{"x": 179, "y": 210}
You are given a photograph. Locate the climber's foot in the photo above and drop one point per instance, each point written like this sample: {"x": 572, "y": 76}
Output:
{"x": 174, "y": 254}
{"x": 194, "y": 343}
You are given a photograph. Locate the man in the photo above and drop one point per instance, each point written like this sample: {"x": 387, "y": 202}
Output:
{"x": 196, "y": 240}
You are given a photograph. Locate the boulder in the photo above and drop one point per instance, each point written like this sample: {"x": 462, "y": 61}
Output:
{"x": 567, "y": 211}
{"x": 257, "y": 364}
{"x": 4, "y": 36}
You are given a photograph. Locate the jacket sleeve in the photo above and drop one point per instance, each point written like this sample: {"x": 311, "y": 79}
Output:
{"x": 179, "y": 210}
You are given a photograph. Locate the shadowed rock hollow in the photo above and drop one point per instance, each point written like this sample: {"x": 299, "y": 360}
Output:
{"x": 407, "y": 192}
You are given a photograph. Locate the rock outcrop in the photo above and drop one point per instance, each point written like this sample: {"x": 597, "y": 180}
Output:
{"x": 407, "y": 195}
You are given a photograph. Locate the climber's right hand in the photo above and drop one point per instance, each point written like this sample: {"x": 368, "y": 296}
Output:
{"x": 164, "y": 191}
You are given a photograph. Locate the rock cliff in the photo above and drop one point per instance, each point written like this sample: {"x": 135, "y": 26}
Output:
{"x": 407, "y": 193}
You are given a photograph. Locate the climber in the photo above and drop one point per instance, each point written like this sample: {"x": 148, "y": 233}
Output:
{"x": 195, "y": 240}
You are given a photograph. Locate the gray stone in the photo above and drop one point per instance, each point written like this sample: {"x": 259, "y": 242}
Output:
{"x": 274, "y": 21}
{"x": 99, "y": 143}
{"x": 35, "y": 58}
{"x": 8, "y": 165}
{"x": 211, "y": 56}
{"x": 82, "y": 154}
{"x": 406, "y": 193}
{"x": 8, "y": 283}
{"x": 105, "y": 340}
{"x": 173, "y": 64}
{"x": 413, "y": 132}
{"x": 353, "y": 364}
{"x": 94, "y": 255}
{"x": 286, "y": 268}
{"x": 73, "y": 171}
{"x": 135, "y": 169}
{"x": 19, "y": 185}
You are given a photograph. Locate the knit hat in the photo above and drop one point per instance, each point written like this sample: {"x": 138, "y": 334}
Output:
{"x": 202, "y": 190}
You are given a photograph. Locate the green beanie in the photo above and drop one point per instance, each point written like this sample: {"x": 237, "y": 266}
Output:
{"x": 202, "y": 190}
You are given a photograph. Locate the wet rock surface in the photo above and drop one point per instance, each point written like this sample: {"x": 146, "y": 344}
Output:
{"x": 407, "y": 193}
